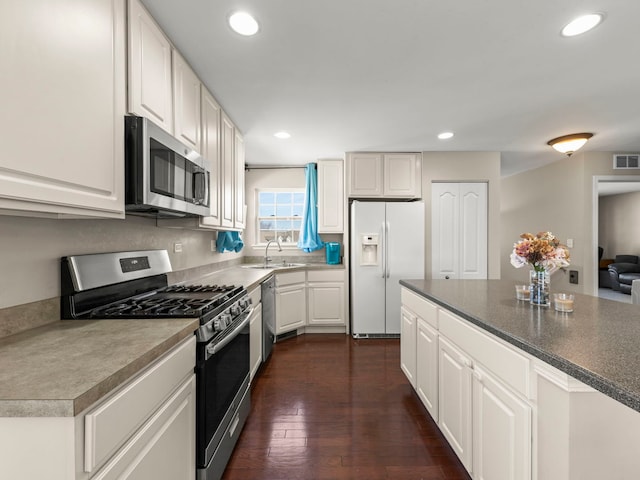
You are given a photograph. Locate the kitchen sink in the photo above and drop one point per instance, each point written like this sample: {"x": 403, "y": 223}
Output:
{"x": 273, "y": 266}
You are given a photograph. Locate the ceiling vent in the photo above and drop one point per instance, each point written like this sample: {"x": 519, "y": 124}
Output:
{"x": 626, "y": 161}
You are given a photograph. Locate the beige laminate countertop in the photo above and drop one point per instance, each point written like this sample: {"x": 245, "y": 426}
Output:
{"x": 60, "y": 369}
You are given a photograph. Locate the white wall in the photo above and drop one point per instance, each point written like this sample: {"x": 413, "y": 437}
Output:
{"x": 30, "y": 250}
{"x": 465, "y": 167}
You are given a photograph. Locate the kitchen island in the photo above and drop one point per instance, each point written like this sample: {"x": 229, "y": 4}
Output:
{"x": 525, "y": 389}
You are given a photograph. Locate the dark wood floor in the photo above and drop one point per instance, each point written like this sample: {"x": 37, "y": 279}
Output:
{"x": 330, "y": 407}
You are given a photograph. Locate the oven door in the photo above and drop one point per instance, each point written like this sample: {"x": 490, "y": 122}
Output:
{"x": 222, "y": 375}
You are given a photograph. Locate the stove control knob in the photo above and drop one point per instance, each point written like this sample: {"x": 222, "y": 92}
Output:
{"x": 225, "y": 320}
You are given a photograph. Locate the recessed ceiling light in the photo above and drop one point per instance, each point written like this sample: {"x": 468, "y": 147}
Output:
{"x": 582, "y": 24}
{"x": 282, "y": 135}
{"x": 445, "y": 135}
{"x": 243, "y": 23}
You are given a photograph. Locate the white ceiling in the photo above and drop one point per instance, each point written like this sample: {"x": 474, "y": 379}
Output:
{"x": 357, "y": 75}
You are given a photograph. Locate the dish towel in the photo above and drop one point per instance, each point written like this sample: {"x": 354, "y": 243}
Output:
{"x": 309, "y": 239}
{"x": 229, "y": 242}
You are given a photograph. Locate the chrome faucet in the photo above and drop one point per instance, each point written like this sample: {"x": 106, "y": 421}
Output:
{"x": 267, "y": 258}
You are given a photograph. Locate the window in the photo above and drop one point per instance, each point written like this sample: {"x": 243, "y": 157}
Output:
{"x": 279, "y": 215}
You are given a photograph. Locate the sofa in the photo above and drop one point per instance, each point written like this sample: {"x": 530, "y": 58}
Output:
{"x": 623, "y": 271}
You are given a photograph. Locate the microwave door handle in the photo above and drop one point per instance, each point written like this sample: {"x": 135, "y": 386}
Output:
{"x": 200, "y": 188}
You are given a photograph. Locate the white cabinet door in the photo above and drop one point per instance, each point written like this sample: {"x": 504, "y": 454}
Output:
{"x": 408, "y": 345}
{"x": 326, "y": 303}
{"x": 63, "y": 105}
{"x": 501, "y": 431}
{"x": 402, "y": 175}
{"x": 186, "y": 86}
{"x": 427, "y": 366}
{"x": 330, "y": 196}
{"x": 365, "y": 179}
{"x": 291, "y": 308}
{"x": 255, "y": 339}
{"x": 164, "y": 448}
{"x": 227, "y": 138}
{"x": 211, "y": 151}
{"x": 454, "y": 398}
{"x": 239, "y": 220}
{"x": 459, "y": 230}
{"x": 149, "y": 87}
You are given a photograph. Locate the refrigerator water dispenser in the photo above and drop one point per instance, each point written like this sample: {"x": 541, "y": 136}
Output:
{"x": 369, "y": 249}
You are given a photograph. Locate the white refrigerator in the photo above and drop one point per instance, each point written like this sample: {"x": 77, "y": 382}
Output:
{"x": 387, "y": 244}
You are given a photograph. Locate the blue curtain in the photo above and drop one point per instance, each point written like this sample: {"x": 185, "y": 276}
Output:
{"x": 309, "y": 239}
{"x": 229, "y": 242}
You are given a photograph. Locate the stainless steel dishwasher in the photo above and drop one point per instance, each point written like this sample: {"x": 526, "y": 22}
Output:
{"x": 268, "y": 316}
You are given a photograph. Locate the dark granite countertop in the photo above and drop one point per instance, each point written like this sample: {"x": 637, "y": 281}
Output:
{"x": 598, "y": 344}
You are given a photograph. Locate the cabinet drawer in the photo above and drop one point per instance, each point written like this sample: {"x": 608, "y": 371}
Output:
{"x": 325, "y": 275}
{"x": 290, "y": 278}
{"x": 504, "y": 362}
{"x": 420, "y": 306}
{"x": 110, "y": 424}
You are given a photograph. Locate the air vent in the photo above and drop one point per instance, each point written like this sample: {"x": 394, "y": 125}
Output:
{"x": 626, "y": 161}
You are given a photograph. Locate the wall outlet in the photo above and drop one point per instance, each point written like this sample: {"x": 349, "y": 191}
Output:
{"x": 573, "y": 276}
{"x": 177, "y": 247}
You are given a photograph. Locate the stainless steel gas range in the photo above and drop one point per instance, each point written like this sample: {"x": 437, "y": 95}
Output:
{"x": 134, "y": 285}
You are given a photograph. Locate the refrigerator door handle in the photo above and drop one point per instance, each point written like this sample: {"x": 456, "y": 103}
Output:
{"x": 386, "y": 248}
{"x": 383, "y": 252}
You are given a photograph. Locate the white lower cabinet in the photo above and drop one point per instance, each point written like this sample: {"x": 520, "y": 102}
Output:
{"x": 455, "y": 400}
{"x": 408, "y": 345}
{"x": 291, "y": 301}
{"x": 326, "y": 298}
{"x": 485, "y": 413}
{"x": 255, "y": 339}
{"x": 427, "y": 366}
{"x": 501, "y": 431}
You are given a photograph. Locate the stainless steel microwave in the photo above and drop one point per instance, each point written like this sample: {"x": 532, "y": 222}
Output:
{"x": 163, "y": 177}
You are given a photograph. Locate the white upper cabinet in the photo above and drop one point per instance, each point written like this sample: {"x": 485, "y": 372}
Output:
{"x": 150, "y": 83}
{"x": 211, "y": 151}
{"x": 186, "y": 103}
{"x": 227, "y": 138}
{"x": 385, "y": 175}
{"x": 63, "y": 79}
{"x": 330, "y": 196}
{"x": 239, "y": 220}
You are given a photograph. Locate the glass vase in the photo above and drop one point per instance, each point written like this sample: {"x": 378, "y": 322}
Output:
{"x": 539, "y": 288}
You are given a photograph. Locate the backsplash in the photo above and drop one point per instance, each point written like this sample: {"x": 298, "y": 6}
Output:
{"x": 30, "y": 250}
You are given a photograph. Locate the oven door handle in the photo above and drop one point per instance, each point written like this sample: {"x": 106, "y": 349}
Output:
{"x": 212, "y": 349}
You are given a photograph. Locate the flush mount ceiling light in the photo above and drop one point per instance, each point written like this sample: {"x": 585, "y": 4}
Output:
{"x": 582, "y": 24}
{"x": 243, "y": 23}
{"x": 282, "y": 135}
{"x": 569, "y": 143}
{"x": 445, "y": 135}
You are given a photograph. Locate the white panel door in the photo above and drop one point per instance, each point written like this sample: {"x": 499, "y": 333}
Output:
{"x": 186, "y": 103}
{"x": 326, "y": 303}
{"x": 501, "y": 431}
{"x": 445, "y": 230}
{"x": 454, "y": 398}
{"x": 427, "y": 366}
{"x": 291, "y": 308}
{"x": 211, "y": 151}
{"x": 459, "y": 230}
{"x": 473, "y": 231}
{"x": 408, "y": 345}
{"x": 150, "y": 92}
